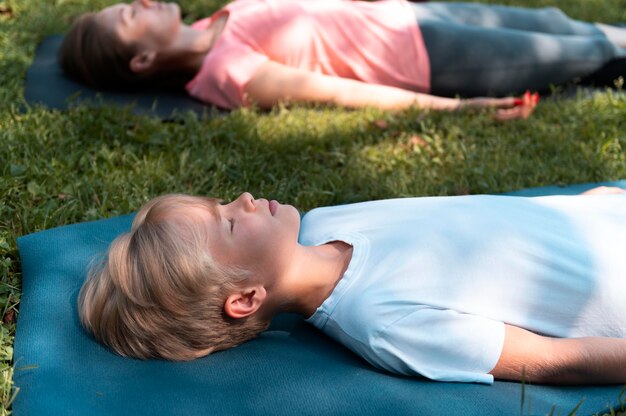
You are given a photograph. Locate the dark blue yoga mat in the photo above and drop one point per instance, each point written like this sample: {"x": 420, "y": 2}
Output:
{"x": 47, "y": 85}
{"x": 290, "y": 369}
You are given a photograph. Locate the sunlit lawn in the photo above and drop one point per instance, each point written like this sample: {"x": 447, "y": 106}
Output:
{"x": 65, "y": 167}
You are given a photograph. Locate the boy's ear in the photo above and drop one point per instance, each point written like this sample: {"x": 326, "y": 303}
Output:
{"x": 245, "y": 302}
{"x": 143, "y": 61}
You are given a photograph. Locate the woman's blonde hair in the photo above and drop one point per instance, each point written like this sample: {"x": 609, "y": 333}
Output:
{"x": 159, "y": 293}
{"x": 96, "y": 56}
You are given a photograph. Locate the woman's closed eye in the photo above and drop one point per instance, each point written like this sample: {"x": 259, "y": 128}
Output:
{"x": 130, "y": 12}
{"x": 127, "y": 14}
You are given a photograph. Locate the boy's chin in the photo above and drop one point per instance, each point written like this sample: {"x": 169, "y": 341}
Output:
{"x": 294, "y": 215}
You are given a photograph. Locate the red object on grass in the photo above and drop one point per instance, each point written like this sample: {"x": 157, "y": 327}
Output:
{"x": 527, "y": 97}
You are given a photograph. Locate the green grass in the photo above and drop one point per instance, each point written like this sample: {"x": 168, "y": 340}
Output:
{"x": 65, "y": 167}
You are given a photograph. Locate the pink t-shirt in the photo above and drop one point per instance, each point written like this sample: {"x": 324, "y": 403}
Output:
{"x": 378, "y": 43}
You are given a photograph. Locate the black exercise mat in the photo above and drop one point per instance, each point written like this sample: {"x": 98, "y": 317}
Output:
{"x": 46, "y": 84}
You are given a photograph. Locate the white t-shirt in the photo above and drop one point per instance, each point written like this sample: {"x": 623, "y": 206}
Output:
{"x": 432, "y": 280}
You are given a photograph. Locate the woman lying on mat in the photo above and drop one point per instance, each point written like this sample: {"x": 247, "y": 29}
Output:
{"x": 392, "y": 54}
{"x": 463, "y": 288}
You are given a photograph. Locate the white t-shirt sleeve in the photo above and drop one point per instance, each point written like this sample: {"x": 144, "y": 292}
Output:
{"x": 440, "y": 344}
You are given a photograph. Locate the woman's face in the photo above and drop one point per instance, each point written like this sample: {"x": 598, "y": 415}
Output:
{"x": 150, "y": 25}
{"x": 254, "y": 234}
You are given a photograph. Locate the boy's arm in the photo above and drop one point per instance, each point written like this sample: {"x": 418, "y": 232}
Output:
{"x": 273, "y": 83}
{"x": 590, "y": 360}
{"x": 604, "y": 190}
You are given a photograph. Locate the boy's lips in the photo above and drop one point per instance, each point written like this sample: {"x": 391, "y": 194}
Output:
{"x": 273, "y": 206}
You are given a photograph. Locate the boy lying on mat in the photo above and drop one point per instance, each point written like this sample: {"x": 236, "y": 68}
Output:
{"x": 463, "y": 288}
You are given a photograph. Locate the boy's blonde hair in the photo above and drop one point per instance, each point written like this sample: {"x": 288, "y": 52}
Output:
{"x": 159, "y": 293}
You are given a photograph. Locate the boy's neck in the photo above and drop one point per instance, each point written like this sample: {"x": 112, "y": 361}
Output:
{"x": 317, "y": 272}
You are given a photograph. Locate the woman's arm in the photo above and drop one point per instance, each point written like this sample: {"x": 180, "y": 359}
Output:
{"x": 591, "y": 360}
{"x": 273, "y": 83}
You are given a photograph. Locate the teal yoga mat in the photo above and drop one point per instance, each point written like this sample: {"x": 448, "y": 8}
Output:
{"x": 290, "y": 369}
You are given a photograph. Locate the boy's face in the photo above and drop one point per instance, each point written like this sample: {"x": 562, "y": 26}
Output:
{"x": 254, "y": 234}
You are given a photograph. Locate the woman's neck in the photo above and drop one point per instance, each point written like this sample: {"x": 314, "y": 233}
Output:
{"x": 188, "y": 51}
{"x": 316, "y": 272}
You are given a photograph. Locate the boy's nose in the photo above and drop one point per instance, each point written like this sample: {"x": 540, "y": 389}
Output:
{"x": 247, "y": 201}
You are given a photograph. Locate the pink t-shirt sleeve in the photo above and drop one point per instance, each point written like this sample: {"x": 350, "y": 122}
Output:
{"x": 225, "y": 72}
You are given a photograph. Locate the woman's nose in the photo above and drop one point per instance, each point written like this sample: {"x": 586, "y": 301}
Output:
{"x": 145, "y": 3}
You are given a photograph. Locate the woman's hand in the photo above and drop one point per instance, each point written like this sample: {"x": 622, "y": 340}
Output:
{"x": 508, "y": 108}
